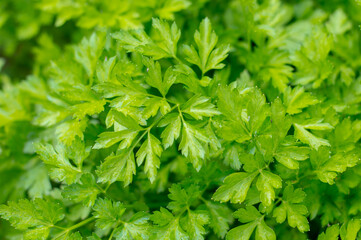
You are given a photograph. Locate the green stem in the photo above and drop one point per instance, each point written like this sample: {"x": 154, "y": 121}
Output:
{"x": 154, "y": 96}
{"x": 147, "y": 130}
{"x": 111, "y": 235}
{"x": 78, "y": 225}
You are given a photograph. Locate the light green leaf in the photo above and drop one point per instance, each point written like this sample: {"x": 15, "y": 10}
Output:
{"x": 104, "y": 70}
{"x": 252, "y": 219}
{"x": 93, "y": 237}
{"x": 243, "y": 232}
{"x": 264, "y": 232}
{"x": 58, "y": 163}
{"x": 296, "y": 99}
{"x": 37, "y": 215}
{"x": 182, "y": 197}
{"x": 167, "y": 226}
{"x": 138, "y": 41}
{"x": 68, "y": 131}
{"x": 107, "y": 139}
{"x": 170, "y": 7}
{"x": 207, "y": 57}
{"x": 199, "y": 107}
{"x": 169, "y": 35}
{"x": 85, "y": 191}
{"x": 193, "y": 223}
{"x": 306, "y": 137}
{"x": 120, "y": 167}
{"x": 39, "y": 233}
{"x": 350, "y": 232}
{"x": 235, "y": 187}
{"x": 107, "y": 213}
{"x": 150, "y": 151}
{"x": 327, "y": 167}
{"x": 87, "y": 108}
{"x": 88, "y": 52}
{"x": 330, "y": 234}
{"x": 338, "y": 23}
{"x": 172, "y": 131}
{"x": 155, "y": 78}
{"x": 220, "y": 217}
{"x": 191, "y": 144}
{"x": 266, "y": 183}
{"x": 292, "y": 208}
{"x": 137, "y": 228}
{"x": 153, "y": 105}
{"x": 289, "y": 156}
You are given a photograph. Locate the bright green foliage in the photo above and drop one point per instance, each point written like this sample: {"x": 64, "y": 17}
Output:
{"x": 252, "y": 220}
{"x": 60, "y": 168}
{"x": 85, "y": 191}
{"x": 292, "y": 209}
{"x": 110, "y": 215}
{"x": 346, "y": 231}
{"x": 180, "y": 119}
{"x": 207, "y": 57}
{"x": 36, "y": 217}
{"x": 107, "y": 213}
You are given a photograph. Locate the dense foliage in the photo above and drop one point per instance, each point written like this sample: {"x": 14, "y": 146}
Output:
{"x": 180, "y": 119}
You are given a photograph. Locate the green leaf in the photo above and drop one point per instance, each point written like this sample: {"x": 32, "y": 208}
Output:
{"x": 352, "y": 229}
{"x": 173, "y": 125}
{"x": 330, "y": 234}
{"x": 85, "y": 191}
{"x": 150, "y": 151}
{"x": 191, "y": 144}
{"x": 169, "y": 7}
{"x": 152, "y": 105}
{"x": 155, "y": 78}
{"x": 120, "y": 167}
{"x": 39, "y": 233}
{"x": 327, "y": 167}
{"x": 88, "y": 52}
{"x": 220, "y": 217}
{"x": 36, "y": 181}
{"x": 138, "y": 41}
{"x": 199, "y": 107}
{"x": 252, "y": 219}
{"x": 137, "y": 227}
{"x": 194, "y": 223}
{"x": 292, "y": 208}
{"x": 126, "y": 122}
{"x": 169, "y": 35}
{"x": 276, "y": 68}
{"x": 338, "y": 23}
{"x": 105, "y": 69}
{"x": 208, "y": 57}
{"x": 107, "y": 213}
{"x": 107, "y": 139}
{"x": 167, "y": 226}
{"x": 296, "y": 99}
{"x": 57, "y": 162}
{"x": 93, "y": 237}
{"x": 37, "y": 215}
{"x": 289, "y": 156}
{"x": 88, "y": 108}
{"x": 182, "y": 198}
{"x": 266, "y": 183}
{"x": 306, "y": 137}
{"x": 281, "y": 123}
{"x": 235, "y": 187}
{"x": 68, "y": 131}
{"x": 73, "y": 236}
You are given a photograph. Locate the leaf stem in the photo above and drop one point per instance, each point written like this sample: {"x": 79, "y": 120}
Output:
{"x": 111, "y": 235}
{"x": 78, "y": 225}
